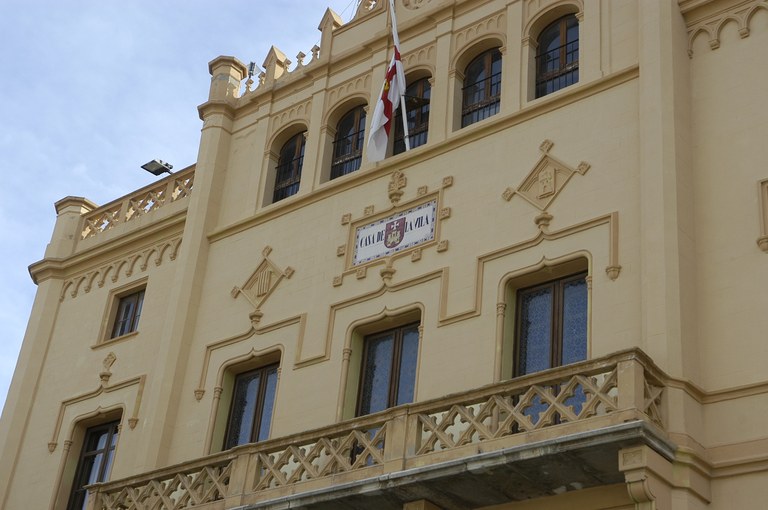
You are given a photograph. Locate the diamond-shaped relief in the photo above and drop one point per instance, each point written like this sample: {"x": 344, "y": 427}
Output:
{"x": 263, "y": 281}
{"x": 545, "y": 180}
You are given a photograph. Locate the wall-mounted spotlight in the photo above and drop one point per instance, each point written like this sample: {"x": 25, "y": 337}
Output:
{"x": 157, "y": 167}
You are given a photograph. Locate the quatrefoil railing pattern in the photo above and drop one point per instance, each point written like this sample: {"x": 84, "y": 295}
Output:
{"x": 174, "y": 491}
{"x": 169, "y": 190}
{"x": 518, "y": 410}
{"x": 589, "y": 395}
{"x": 327, "y": 456}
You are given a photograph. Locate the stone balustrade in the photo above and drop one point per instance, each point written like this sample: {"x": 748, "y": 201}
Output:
{"x": 174, "y": 188}
{"x": 573, "y": 400}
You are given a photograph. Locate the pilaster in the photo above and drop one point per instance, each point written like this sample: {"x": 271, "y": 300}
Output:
{"x": 440, "y": 107}
{"x": 667, "y": 256}
{"x": 170, "y": 358}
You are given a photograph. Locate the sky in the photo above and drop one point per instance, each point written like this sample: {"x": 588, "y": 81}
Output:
{"x": 92, "y": 89}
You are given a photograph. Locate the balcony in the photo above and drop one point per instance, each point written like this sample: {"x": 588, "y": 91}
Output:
{"x": 473, "y": 449}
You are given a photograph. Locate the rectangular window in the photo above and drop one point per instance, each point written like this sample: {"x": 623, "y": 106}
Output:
{"x": 388, "y": 373}
{"x": 551, "y": 324}
{"x": 95, "y": 461}
{"x": 253, "y": 399}
{"x": 128, "y": 314}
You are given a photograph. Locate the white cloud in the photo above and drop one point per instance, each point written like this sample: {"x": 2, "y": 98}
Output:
{"x": 91, "y": 90}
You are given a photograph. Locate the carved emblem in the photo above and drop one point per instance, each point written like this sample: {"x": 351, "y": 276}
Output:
{"x": 545, "y": 180}
{"x": 394, "y": 232}
{"x": 262, "y": 282}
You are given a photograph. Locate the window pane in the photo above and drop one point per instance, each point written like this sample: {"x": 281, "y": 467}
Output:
{"x": 244, "y": 403}
{"x": 408, "y": 355}
{"x": 269, "y": 403}
{"x": 574, "y": 321}
{"x": 377, "y": 375}
{"x": 535, "y": 331}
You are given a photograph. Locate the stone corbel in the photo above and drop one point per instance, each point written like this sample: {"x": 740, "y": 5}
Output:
{"x": 648, "y": 476}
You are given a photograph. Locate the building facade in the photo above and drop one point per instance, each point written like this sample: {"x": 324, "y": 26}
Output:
{"x": 555, "y": 299}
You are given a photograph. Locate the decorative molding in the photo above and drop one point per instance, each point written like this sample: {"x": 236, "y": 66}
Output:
{"x": 212, "y": 348}
{"x": 419, "y": 58}
{"x": 712, "y": 25}
{"x": 397, "y": 183}
{"x": 105, "y": 374}
{"x": 546, "y": 179}
{"x": 423, "y": 190}
{"x": 346, "y": 218}
{"x": 367, "y": 7}
{"x": 296, "y": 112}
{"x": 762, "y": 188}
{"x": 359, "y": 85}
{"x": 395, "y": 186}
{"x": 139, "y": 382}
{"x": 413, "y": 5}
{"x": 125, "y": 266}
{"x": 494, "y": 24}
{"x": 262, "y": 283}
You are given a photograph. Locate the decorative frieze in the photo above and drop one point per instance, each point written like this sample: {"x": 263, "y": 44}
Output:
{"x": 711, "y": 26}
{"x": 125, "y": 266}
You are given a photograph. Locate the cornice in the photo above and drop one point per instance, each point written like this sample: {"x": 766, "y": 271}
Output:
{"x": 98, "y": 255}
{"x": 424, "y": 153}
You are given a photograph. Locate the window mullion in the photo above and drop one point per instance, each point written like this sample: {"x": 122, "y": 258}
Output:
{"x": 557, "y": 323}
{"x": 394, "y": 378}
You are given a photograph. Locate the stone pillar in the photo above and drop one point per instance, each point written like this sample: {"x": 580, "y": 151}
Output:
{"x": 668, "y": 249}
{"x": 165, "y": 388}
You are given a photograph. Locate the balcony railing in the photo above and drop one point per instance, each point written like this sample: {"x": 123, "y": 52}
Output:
{"x": 585, "y": 397}
{"x": 172, "y": 189}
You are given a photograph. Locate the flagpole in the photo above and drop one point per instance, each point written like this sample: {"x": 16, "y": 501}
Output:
{"x": 396, "y": 40}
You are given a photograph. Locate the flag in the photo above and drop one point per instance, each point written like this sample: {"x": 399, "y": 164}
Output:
{"x": 391, "y": 93}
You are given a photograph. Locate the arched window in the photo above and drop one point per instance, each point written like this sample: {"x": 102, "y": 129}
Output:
{"x": 482, "y": 87}
{"x": 417, "y": 104}
{"x": 348, "y": 144}
{"x": 288, "y": 171}
{"x": 557, "y": 56}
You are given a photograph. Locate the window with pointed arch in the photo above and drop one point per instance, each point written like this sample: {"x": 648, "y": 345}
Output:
{"x": 417, "y": 106}
{"x": 481, "y": 94}
{"x": 557, "y": 55}
{"x": 288, "y": 171}
{"x": 348, "y": 143}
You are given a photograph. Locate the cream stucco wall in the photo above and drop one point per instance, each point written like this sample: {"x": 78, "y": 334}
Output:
{"x": 663, "y": 134}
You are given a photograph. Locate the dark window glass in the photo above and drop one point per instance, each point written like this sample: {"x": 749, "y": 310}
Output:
{"x": 95, "y": 461}
{"x": 288, "y": 171}
{"x": 557, "y": 56}
{"x": 253, "y": 398}
{"x": 348, "y": 144}
{"x": 482, "y": 88}
{"x": 417, "y": 105}
{"x": 388, "y": 369}
{"x": 551, "y": 324}
{"x": 128, "y": 313}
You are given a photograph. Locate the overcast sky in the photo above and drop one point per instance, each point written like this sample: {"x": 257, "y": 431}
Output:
{"x": 92, "y": 89}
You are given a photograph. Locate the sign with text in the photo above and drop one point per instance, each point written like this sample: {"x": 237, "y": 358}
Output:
{"x": 395, "y": 233}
